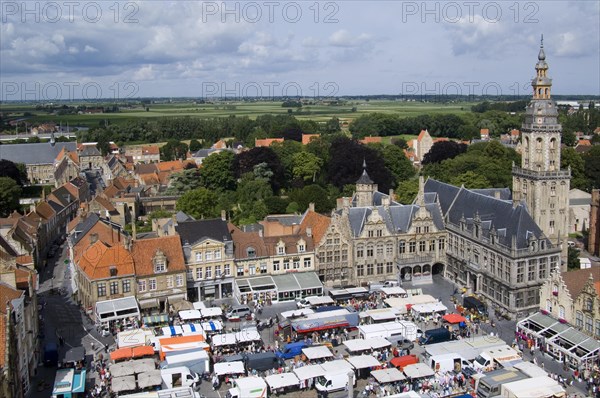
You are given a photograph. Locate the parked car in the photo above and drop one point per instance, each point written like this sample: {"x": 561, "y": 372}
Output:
{"x": 238, "y": 312}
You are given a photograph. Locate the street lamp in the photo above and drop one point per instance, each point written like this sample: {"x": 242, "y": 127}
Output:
{"x": 351, "y": 384}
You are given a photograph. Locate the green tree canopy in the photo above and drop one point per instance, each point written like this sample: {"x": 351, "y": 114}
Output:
{"x": 217, "y": 171}
{"x": 470, "y": 180}
{"x": 306, "y": 166}
{"x": 199, "y": 203}
{"x": 10, "y": 192}
{"x": 400, "y": 166}
{"x": 569, "y": 157}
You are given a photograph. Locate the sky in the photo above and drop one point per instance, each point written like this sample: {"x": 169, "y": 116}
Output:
{"x": 127, "y": 49}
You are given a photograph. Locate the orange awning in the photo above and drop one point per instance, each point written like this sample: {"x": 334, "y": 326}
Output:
{"x": 121, "y": 353}
{"x": 142, "y": 351}
{"x": 454, "y": 318}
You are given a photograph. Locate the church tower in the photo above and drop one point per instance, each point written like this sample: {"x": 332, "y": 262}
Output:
{"x": 539, "y": 181}
{"x": 365, "y": 188}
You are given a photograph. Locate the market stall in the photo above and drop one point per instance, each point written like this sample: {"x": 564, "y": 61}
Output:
{"x": 229, "y": 368}
{"x": 363, "y": 361}
{"x": 418, "y": 371}
{"x": 190, "y": 315}
{"x": 123, "y": 384}
{"x": 389, "y": 375}
{"x": 317, "y": 352}
{"x": 151, "y": 378}
{"x": 282, "y": 380}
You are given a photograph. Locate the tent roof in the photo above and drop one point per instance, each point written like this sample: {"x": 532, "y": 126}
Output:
{"x": 282, "y": 380}
{"x": 417, "y": 370}
{"x": 454, "y": 318}
{"x": 226, "y": 368}
{"x": 317, "y": 352}
{"x": 388, "y": 375}
{"x": 363, "y": 361}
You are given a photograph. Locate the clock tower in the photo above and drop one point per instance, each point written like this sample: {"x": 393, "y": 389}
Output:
{"x": 540, "y": 182}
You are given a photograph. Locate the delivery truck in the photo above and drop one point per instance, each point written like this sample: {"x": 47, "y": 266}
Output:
{"x": 248, "y": 387}
{"x": 179, "y": 376}
{"x": 498, "y": 357}
{"x": 539, "y": 387}
{"x": 408, "y": 330}
{"x": 431, "y": 336}
{"x": 490, "y": 385}
{"x": 448, "y": 363}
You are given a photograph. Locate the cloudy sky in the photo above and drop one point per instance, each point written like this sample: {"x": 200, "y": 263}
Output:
{"x": 191, "y": 48}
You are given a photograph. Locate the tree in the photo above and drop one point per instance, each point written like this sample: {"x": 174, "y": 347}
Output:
{"x": 217, "y": 171}
{"x": 569, "y": 157}
{"x": 199, "y": 203}
{"x": 195, "y": 145}
{"x": 400, "y": 166}
{"x": 332, "y": 126}
{"x": 10, "y": 192}
{"x": 443, "y": 150}
{"x": 573, "y": 258}
{"x": 306, "y": 166}
{"x": 312, "y": 194}
{"x": 471, "y": 180}
{"x": 592, "y": 166}
{"x": 12, "y": 170}
{"x": 185, "y": 181}
{"x": 407, "y": 191}
{"x": 173, "y": 149}
{"x": 245, "y": 162}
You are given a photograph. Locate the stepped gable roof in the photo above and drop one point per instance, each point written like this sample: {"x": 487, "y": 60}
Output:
{"x": 195, "y": 231}
{"x": 318, "y": 224}
{"x": 39, "y": 153}
{"x": 575, "y": 280}
{"x": 510, "y": 221}
{"x": 144, "y": 250}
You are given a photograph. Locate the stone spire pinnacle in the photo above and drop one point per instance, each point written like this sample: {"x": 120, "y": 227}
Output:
{"x": 542, "y": 54}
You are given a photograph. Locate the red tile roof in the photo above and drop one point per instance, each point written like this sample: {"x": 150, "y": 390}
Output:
{"x": 266, "y": 142}
{"x": 144, "y": 250}
{"x": 318, "y": 224}
{"x": 97, "y": 260}
{"x": 306, "y": 138}
{"x": 371, "y": 140}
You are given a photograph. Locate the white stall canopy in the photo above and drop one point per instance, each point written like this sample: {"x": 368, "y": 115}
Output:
{"x": 229, "y": 368}
{"x": 282, "y": 380}
{"x": 363, "y": 361}
{"x": 390, "y": 375}
{"x": 418, "y": 370}
{"x": 429, "y": 308}
{"x": 317, "y": 352}
{"x": 219, "y": 340}
{"x": 247, "y": 335}
{"x": 212, "y": 312}
{"x": 189, "y": 315}
{"x": 309, "y": 372}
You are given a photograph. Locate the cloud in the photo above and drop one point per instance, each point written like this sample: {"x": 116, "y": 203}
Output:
{"x": 343, "y": 38}
{"x": 89, "y": 49}
{"x": 144, "y": 73}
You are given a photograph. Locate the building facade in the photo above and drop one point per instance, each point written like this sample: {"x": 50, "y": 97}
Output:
{"x": 539, "y": 181}
{"x": 594, "y": 229}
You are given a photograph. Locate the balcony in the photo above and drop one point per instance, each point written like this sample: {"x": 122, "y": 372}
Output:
{"x": 558, "y": 174}
{"x": 408, "y": 259}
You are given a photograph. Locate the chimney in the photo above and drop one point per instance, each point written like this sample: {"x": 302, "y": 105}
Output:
{"x": 260, "y": 232}
{"x": 93, "y": 238}
{"x": 133, "y": 230}
{"x": 392, "y": 195}
{"x": 385, "y": 202}
{"x": 497, "y": 194}
{"x": 311, "y": 207}
{"x": 309, "y": 232}
{"x": 127, "y": 242}
{"x": 223, "y": 215}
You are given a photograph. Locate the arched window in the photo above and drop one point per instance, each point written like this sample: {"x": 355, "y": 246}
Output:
{"x": 548, "y": 305}
{"x": 561, "y": 312}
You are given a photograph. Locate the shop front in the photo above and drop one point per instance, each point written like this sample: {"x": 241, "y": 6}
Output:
{"x": 277, "y": 288}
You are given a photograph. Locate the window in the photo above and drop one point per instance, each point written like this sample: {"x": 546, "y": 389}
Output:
{"x": 379, "y": 268}
{"x": 389, "y": 249}
{"x": 169, "y": 282}
{"x": 432, "y": 245}
{"x": 263, "y": 268}
{"x": 208, "y": 273}
{"x": 418, "y": 230}
{"x": 380, "y": 232}
{"x": 126, "y": 286}
{"x": 141, "y": 286}
{"x": 597, "y": 331}
{"x": 588, "y": 304}
{"x": 296, "y": 263}
{"x": 101, "y": 289}
{"x": 276, "y": 265}
{"x": 426, "y": 229}
{"x": 380, "y": 249}
{"x": 160, "y": 265}
{"x": 251, "y": 252}
{"x": 280, "y": 249}
{"x": 198, "y": 257}
{"x": 152, "y": 284}
{"x": 217, "y": 254}
{"x": 579, "y": 319}
{"x": 369, "y": 269}
{"x": 252, "y": 269}
{"x": 412, "y": 247}
{"x": 370, "y": 234}
{"x": 551, "y": 226}
{"x": 422, "y": 246}
{"x": 531, "y": 271}
{"x": 520, "y": 271}
{"x": 389, "y": 267}
{"x": 307, "y": 262}
{"x": 548, "y": 306}
{"x": 227, "y": 269}
{"x": 561, "y": 312}
{"x": 543, "y": 264}
{"x": 401, "y": 247}
{"x": 589, "y": 325}
{"x": 217, "y": 271}
{"x": 199, "y": 273}
{"x": 286, "y": 264}
{"x": 114, "y": 287}
{"x": 208, "y": 255}
{"x": 179, "y": 280}
{"x": 240, "y": 270}
{"x": 369, "y": 251}
{"x": 360, "y": 270}
{"x": 301, "y": 248}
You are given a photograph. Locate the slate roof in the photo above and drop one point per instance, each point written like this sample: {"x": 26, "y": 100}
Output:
{"x": 89, "y": 150}
{"x": 364, "y": 178}
{"x": 195, "y": 231}
{"x": 580, "y": 201}
{"x": 397, "y": 218}
{"x": 509, "y": 221}
{"x": 40, "y": 153}
{"x": 499, "y": 193}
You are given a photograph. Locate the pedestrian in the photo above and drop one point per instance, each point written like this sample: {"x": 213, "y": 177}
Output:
{"x": 93, "y": 346}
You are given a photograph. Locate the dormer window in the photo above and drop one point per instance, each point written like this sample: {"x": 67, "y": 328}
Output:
{"x": 301, "y": 248}
{"x": 280, "y": 249}
{"x": 160, "y": 262}
{"x": 251, "y": 252}
{"x": 589, "y": 304}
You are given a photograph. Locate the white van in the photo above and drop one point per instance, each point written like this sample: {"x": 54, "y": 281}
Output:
{"x": 333, "y": 382}
{"x": 179, "y": 376}
{"x": 448, "y": 363}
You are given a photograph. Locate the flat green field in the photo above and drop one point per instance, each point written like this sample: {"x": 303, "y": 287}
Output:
{"x": 318, "y": 112}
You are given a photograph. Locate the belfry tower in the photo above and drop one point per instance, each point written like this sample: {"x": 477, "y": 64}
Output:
{"x": 539, "y": 181}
